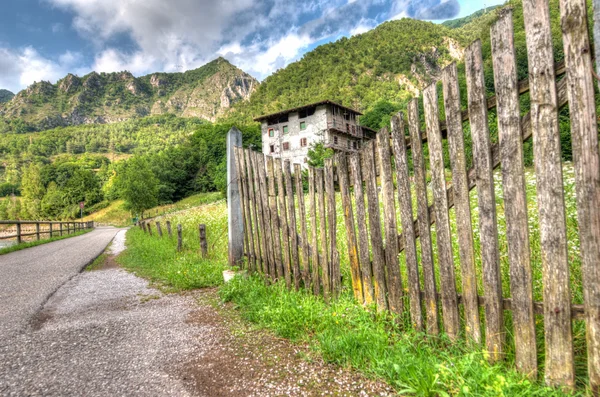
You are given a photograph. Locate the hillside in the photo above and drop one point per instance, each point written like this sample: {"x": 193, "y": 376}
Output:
{"x": 460, "y": 22}
{"x": 5, "y": 95}
{"x": 100, "y": 98}
{"x": 391, "y": 62}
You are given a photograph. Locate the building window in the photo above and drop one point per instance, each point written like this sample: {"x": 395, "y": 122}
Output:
{"x": 272, "y": 149}
{"x": 349, "y": 144}
{"x": 303, "y": 142}
{"x": 285, "y": 129}
{"x": 271, "y": 132}
{"x": 302, "y": 125}
{"x": 335, "y": 140}
{"x": 286, "y": 146}
{"x": 355, "y": 145}
{"x": 347, "y": 128}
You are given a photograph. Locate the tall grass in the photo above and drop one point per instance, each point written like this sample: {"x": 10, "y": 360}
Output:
{"x": 377, "y": 344}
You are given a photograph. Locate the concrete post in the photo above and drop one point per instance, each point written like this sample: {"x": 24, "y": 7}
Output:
{"x": 236, "y": 227}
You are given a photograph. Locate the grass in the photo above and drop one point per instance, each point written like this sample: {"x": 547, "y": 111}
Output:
{"x": 116, "y": 214}
{"x": 29, "y": 244}
{"x": 376, "y": 344}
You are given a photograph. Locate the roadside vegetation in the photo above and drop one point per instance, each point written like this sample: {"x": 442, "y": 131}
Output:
{"x": 157, "y": 258}
{"x": 29, "y": 244}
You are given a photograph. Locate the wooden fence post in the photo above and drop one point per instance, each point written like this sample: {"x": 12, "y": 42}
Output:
{"x": 559, "y": 370}
{"x": 169, "y": 231}
{"x": 159, "y": 229}
{"x": 18, "y": 233}
{"x": 61, "y": 228}
{"x": 149, "y": 226}
{"x": 431, "y": 305}
{"x": 203, "y": 243}
{"x": 179, "y": 238}
{"x": 513, "y": 181}
{"x": 234, "y": 219}
{"x": 50, "y": 230}
{"x": 450, "y": 314}
{"x": 37, "y": 231}
{"x": 586, "y": 158}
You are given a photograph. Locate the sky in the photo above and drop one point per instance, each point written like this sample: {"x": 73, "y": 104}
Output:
{"x": 46, "y": 39}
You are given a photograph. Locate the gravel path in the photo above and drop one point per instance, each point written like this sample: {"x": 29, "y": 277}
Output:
{"x": 28, "y": 277}
{"x": 106, "y": 332}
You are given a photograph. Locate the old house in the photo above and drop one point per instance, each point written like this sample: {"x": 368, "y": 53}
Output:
{"x": 288, "y": 134}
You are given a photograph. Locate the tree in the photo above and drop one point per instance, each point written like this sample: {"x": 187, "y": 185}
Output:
{"x": 32, "y": 190}
{"x": 317, "y": 153}
{"x": 137, "y": 185}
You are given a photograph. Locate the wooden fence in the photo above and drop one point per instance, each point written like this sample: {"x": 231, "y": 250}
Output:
{"x": 146, "y": 226}
{"x": 30, "y": 229}
{"x": 277, "y": 220}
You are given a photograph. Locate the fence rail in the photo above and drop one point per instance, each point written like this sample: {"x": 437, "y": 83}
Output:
{"x": 51, "y": 231}
{"x": 293, "y": 237}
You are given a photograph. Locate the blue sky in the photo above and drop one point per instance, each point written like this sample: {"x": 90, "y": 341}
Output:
{"x": 46, "y": 39}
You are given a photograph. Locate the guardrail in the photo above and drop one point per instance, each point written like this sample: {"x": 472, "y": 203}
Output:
{"x": 51, "y": 230}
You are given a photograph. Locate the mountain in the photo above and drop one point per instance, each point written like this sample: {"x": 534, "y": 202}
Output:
{"x": 460, "y": 22}
{"x": 392, "y": 62}
{"x": 99, "y": 98}
{"x": 5, "y": 95}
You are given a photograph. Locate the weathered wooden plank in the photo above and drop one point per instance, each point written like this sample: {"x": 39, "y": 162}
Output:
{"x": 334, "y": 266}
{"x": 363, "y": 234}
{"x": 260, "y": 263}
{"x": 461, "y": 201}
{"x": 284, "y": 224}
{"x": 273, "y": 244}
{"x": 324, "y": 260}
{"x": 559, "y": 368}
{"x": 270, "y": 220}
{"x": 291, "y": 212}
{"x": 486, "y": 200}
{"x": 406, "y": 218}
{"x": 241, "y": 172}
{"x": 513, "y": 181}
{"x": 431, "y": 307}
{"x": 303, "y": 226}
{"x": 203, "y": 242}
{"x": 258, "y": 208}
{"x": 378, "y": 264}
{"x": 451, "y": 319}
{"x": 393, "y": 276}
{"x": 255, "y": 226}
{"x": 169, "y": 231}
{"x": 159, "y": 229}
{"x": 342, "y": 174}
{"x": 584, "y": 133}
{"x": 316, "y": 283}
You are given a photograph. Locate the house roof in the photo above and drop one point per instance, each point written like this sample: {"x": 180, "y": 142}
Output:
{"x": 297, "y": 109}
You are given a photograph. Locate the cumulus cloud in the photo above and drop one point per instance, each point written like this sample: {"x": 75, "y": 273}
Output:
{"x": 426, "y": 9}
{"x": 22, "y": 67}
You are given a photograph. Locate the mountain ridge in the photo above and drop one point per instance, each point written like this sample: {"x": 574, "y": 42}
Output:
{"x": 205, "y": 92}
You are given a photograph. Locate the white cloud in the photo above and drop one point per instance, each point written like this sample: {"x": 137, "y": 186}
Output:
{"x": 22, "y": 67}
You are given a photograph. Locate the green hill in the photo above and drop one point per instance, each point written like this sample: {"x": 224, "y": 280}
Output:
{"x": 100, "y": 98}
{"x": 460, "y": 22}
{"x": 392, "y": 62}
{"x": 5, "y": 95}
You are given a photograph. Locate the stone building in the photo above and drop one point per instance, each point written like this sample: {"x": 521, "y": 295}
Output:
{"x": 288, "y": 134}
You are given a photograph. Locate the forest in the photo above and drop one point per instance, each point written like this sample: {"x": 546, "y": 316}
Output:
{"x": 47, "y": 175}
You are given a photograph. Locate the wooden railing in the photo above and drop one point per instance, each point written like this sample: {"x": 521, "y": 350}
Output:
{"x": 53, "y": 229}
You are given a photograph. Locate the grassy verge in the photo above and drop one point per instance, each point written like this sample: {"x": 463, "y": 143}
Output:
{"x": 115, "y": 214}
{"x": 377, "y": 344}
{"x": 158, "y": 260}
{"x": 29, "y": 244}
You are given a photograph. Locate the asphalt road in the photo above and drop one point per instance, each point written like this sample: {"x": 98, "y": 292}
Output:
{"x": 30, "y": 276}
